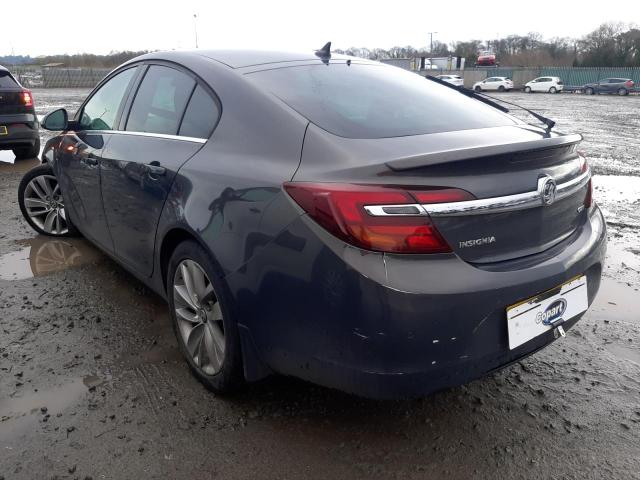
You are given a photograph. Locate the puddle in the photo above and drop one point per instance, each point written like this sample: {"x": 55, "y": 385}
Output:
{"x": 624, "y": 353}
{"x": 617, "y": 301}
{"x": 623, "y": 257}
{"x": 21, "y": 412}
{"x": 21, "y": 166}
{"x": 44, "y": 255}
{"x": 619, "y": 197}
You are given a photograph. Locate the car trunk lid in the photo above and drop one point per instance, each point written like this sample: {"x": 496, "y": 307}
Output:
{"x": 502, "y": 167}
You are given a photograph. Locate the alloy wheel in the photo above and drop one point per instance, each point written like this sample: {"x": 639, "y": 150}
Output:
{"x": 199, "y": 317}
{"x": 45, "y": 206}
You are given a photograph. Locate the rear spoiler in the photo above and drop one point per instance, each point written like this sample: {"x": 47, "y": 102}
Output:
{"x": 454, "y": 155}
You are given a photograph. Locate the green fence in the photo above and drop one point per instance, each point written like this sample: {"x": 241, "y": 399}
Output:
{"x": 580, "y": 76}
{"x": 38, "y": 77}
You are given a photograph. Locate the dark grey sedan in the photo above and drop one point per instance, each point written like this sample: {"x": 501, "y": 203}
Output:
{"x": 326, "y": 217}
{"x": 619, "y": 86}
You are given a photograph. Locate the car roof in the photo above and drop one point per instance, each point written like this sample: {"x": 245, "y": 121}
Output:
{"x": 2, "y": 69}
{"x": 249, "y": 58}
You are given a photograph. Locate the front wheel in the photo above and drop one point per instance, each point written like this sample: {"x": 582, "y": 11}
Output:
{"x": 501, "y": 88}
{"x": 203, "y": 320}
{"x": 42, "y": 204}
{"x": 527, "y": 89}
{"x": 478, "y": 89}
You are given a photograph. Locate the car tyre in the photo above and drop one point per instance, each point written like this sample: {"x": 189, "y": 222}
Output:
{"x": 24, "y": 153}
{"x": 588, "y": 91}
{"x": 552, "y": 90}
{"x": 203, "y": 319}
{"x": 527, "y": 90}
{"x": 501, "y": 88}
{"x": 42, "y": 203}
{"x": 478, "y": 88}
{"x": 623, "y": 91}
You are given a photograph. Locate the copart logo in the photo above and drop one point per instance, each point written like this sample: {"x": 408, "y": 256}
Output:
{"x": 552, "y": 312}
{"x": 478, "y": 241}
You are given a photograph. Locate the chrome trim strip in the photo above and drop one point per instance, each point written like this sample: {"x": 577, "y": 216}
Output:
{"x": 507, "y": 203}
{"x": 392, "y": 210}
{"x": 150, "y": 134}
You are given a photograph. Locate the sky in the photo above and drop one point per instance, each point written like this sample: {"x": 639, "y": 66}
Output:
{"x": 114, "y": 25}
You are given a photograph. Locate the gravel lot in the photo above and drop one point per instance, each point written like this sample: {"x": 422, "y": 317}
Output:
{"x": 92, "y": 384}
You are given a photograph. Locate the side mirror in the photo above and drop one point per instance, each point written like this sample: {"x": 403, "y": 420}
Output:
{"x": 58, "y": 120}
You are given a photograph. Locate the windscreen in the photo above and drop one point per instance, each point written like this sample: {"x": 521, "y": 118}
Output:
{"x": 375, "y": 101}
{"x": 6, "y": 80}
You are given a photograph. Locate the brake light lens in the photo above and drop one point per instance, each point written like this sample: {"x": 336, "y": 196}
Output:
{"x": 629, "y": 83}
{"x": 27, "y": 99}
{"x": 340, "y": 209}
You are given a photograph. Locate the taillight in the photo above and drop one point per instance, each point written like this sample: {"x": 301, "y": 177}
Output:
{"x": 584, "y": 167}
{"x": 27, "y": 99}
{"x": 384, "y": 219}
{"x": 588, "y": 199}
{"x": 629, "y": 83}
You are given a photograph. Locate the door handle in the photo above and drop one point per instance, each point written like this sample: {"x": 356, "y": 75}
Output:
{"x": 155, "y": 169}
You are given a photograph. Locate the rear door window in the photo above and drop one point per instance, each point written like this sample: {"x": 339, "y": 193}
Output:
{"x": 7, "y": 81}
{"x": 160, "y": 101}
{"x": 201, "y": 115}
{"x": 375, "y": 101}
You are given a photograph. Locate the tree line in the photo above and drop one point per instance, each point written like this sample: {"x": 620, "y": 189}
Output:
{"x": 90, "y": 60}
{"x": 610, "y": 45}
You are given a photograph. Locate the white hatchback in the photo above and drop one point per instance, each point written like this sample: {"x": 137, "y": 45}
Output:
{"x": 494, "y": 83}
{"x": 452, "y": 79}
{"x": 544, "y": 84}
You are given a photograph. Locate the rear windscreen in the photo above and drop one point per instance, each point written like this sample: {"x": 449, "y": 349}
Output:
{"x": 375, "y": 101}
{"x": 7, "y": 81}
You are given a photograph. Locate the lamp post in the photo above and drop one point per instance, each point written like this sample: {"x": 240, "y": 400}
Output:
{"x": 195, "y": 27}
{"x": 431, "y": 42}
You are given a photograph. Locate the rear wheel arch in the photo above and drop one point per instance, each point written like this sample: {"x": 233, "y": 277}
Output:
{"x": 170, "y": 242}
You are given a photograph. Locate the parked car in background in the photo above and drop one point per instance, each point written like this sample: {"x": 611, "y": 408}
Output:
{"x": 500, "y": 84}
{"x": 544, "y": 84}
{"x": 486, "y": 59}
{"x": 620, "y": 86}
{"x": 456, "y": 80}
{"x": 294, "y": 229}
{"x": 18, "y": 121}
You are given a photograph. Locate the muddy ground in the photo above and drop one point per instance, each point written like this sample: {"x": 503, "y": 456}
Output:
{"x": 92, "y": 384}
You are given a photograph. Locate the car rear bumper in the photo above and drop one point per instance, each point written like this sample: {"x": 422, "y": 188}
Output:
{"x": 392, "y": 326}
{"x": 22, "y": 130}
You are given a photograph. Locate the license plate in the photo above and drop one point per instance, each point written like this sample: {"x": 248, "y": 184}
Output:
{"x": 539, "y": 314}
{"x": 3, "y": 130}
